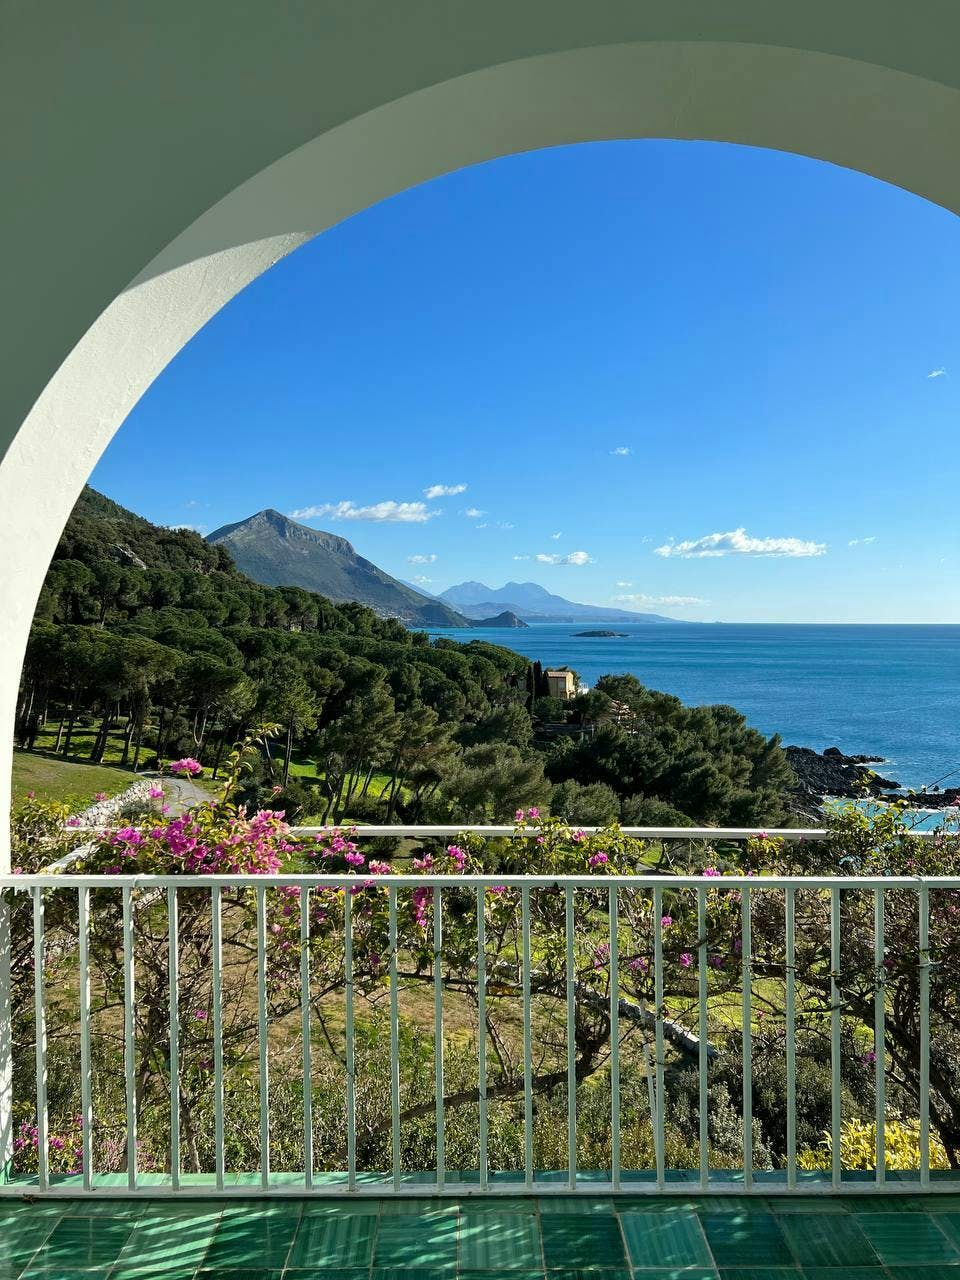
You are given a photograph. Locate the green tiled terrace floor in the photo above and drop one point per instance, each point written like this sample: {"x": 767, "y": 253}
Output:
{"x": 903, "y": 1237}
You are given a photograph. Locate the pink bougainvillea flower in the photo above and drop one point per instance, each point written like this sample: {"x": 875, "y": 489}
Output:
{"x": 533, "y": 813}
{"x": 686, "y": 959}
{"x": 188, "y": 767}
{"x": 155, "y": 792}
{"x": 710, "y": 871}
{"x": 666, "y": 922}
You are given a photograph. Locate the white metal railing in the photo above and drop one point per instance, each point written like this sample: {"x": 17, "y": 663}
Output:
{"x": 395, "y": 1180}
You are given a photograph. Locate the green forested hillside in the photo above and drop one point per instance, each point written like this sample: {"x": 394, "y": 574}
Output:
{"x": 150, "y": 640}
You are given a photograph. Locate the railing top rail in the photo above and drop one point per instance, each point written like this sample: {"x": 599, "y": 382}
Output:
{"x": 531, "y": 832}
{"x": 415, "y": 879}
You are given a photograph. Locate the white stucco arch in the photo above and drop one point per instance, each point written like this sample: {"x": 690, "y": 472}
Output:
{"x": 125, "y": 312}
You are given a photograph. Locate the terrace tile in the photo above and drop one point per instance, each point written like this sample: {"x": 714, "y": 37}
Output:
{"x": 673, "y": 1238}
{"x": 548, "y": 1237}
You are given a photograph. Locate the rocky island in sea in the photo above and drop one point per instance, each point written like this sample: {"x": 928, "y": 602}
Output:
{"x": 598, "y": 635}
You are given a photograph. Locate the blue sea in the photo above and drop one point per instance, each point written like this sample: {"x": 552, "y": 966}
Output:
{"x": 889, "y": 691}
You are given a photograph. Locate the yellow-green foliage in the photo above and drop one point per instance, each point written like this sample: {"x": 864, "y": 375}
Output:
{"x": 858, "y": 1146}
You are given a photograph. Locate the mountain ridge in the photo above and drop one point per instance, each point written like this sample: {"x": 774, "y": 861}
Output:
{"x": 276, "y": 551}
{"x": 533, "y": 603}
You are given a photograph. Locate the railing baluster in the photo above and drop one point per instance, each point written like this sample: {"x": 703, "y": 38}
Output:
{"x": 835, "y": 1080}
{"x": 789, "y": 926}
{"x": 527, "y": 1045}
{"x": 263, "y": 1042}
{"x": 40, "y": 1038}
{"x": 128, "y": 1039}
{"x": 658, "y": 1135}
{"x": 482, "y": 1028}
{"x": 571, "y": 1045}
{"x": 614, "y": 1037}
{"x": 173, "y": 979}
{"x": 746, "y": 979}
{"x": 879, "y": 1032}
{"x": 86, "y": 1078}
{"x": 924, "y": 957}
{"x": 216, "y": 925}
{"x": 394, "y": 1037}
{"x": 702, "y": 1030}
{"x": 438, "y": 1028}
{"x": 305, "y": 1037}
{"x": 351, "y": 1044}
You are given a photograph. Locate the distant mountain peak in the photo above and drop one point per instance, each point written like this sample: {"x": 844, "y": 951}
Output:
{"x": 534, "y": 603}
{"x": 278, "y": 551}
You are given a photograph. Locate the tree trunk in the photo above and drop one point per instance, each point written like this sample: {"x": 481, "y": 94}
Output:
{"x": 288, "y": 753}
{"x": 100, "y": 743}
{"x": 127, "y": 739}
{"x": 219, "y": 756}
{"x": 141, "y": 716}
{"x": 161, "y": 733}
{"x": 70, "y": 724}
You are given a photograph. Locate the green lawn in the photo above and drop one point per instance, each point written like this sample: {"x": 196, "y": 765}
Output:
{"x": 83, "y": 740}
{"x": 52, "y": 778}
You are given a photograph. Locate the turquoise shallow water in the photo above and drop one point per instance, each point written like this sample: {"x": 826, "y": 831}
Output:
{"x": 891, "y": 691}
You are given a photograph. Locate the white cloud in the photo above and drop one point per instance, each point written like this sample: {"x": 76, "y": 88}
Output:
{"x": 555, "y": 536}
{"x": 395, "y": 512}
{"x": 485, "y": 525}
{"x": 937, "y": 373}
{"x": 739, "y": 543}
{"x": 575, "y": 557}
{"x": 861, "y": 542}
{"x": 193, "y": 528}
{"x": 443, "y": 490}
{"x": 621, "y": 451}
{"x": 474, "y": 513}
{"x": 673, "y": 601}
{"x": 421, "y": 580}
{"x": 521, "y": 557}
{"x": 431, "y": 559}
{"x": 505, "y": 524}
{"x": 624, "y": 584}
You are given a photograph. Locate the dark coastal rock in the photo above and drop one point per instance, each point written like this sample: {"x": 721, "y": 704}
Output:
{"x": 836, "y": 754}
{"x": 590, "y": 635}
{"x": 948, "y": 798}
{"x": 831, "y": 773}
{"x": 505, "y": 619}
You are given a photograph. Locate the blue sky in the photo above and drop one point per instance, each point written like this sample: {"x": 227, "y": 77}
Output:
{"x": 689, "y": 377}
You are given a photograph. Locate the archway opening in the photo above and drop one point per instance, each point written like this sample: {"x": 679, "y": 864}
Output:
{"x": 656, "y": 439}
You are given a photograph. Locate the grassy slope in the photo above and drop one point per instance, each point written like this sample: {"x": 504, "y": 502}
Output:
{"x": 57, "y": 779}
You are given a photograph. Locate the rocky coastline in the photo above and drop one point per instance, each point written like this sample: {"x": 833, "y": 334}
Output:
{"x": 831, "y": 773}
